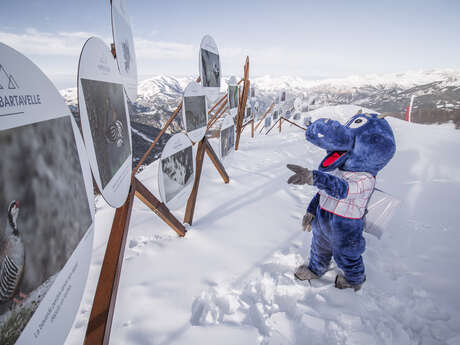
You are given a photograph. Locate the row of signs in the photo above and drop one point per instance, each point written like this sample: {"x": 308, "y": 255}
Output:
{"x": 47, "y": 200}
{"x": 177, "y": 163}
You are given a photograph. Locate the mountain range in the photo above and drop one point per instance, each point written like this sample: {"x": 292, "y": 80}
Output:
{"x": 437, "y": 98}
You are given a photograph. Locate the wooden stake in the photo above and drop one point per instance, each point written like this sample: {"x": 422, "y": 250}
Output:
{"x": 191, "y": 202}
{"x": 265, "y": 115}
{"x": 252, "y": 128}
{"x": 100, "y": 321}
{"x": 217, "y": 117}
{"x": 293, "y": 123}
{"x": 247, "y": 123}
{"x": 261, "y": 129}
{"x": 273, "y": 126}
{"x": 203, "y": 146}
{"x": 216, "y": 161}
{"x": 213, "y": 119}
{"x": 242, "y": 104}
{"x": 281, "y": 118}
{"x": 159, "y": 208}
{"x": 218, "y": 102}
{"x": 221, "y": 99}
{"x": 284, "y": 119}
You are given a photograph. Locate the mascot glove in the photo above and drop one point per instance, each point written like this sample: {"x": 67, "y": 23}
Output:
{"x": 301, "y": 176}
{"x": 306, "y": 221}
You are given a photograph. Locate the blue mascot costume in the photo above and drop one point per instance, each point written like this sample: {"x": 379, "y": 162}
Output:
{"x": 345, "y": 178}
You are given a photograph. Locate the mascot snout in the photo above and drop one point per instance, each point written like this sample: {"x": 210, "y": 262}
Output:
{"x": 330, "y": 135}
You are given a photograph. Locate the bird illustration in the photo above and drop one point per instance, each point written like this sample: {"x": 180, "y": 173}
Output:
{"x": 12, "y": 256}
{"x": 114, "y": 133}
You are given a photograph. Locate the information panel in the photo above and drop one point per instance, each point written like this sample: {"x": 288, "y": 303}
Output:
{"x": 46, "y": 207}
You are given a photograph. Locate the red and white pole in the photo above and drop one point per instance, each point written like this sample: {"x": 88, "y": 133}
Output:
{"x": 409, "y": 109}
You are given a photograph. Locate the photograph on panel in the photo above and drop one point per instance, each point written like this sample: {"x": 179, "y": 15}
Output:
{"x": 268, "y": 122}
{"x": 233, "y": 96}
{"x": 125, "y": 56}
{"x": 283, "y": 96}
{"x": 195, "y": 112}
{"x": 44, "y": 214}
{"x": 211, "y": 68}
{"x": 108, "y": 121}
{"x": 177, "y": 172}
{"x": 227, "y": 140}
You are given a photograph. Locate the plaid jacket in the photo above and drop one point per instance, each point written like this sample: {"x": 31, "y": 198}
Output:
{"x": 360, "y": 187}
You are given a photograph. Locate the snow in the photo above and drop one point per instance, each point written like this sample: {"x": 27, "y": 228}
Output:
{"x": 450, "y": 77}
{"x": 142, "y": 135}
{"x": 230, "y": 279}
{"x": 70, "y": 95}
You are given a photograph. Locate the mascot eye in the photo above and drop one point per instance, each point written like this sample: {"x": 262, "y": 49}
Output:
{"x": 360, "y": 121}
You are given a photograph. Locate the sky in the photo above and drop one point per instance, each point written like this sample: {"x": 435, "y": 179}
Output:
{"x": 309, "y": 39}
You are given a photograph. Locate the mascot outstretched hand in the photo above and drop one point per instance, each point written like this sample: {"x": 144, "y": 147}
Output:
{"x": 356, "y": 152}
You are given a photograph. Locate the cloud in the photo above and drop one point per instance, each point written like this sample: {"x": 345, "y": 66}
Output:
{"x": 56, "y": 53}
{"x": 34, "y": 42}
{"x": 159, "y": 50}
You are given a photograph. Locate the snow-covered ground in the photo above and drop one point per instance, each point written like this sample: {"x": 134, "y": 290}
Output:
{"x": 229, "y": 281}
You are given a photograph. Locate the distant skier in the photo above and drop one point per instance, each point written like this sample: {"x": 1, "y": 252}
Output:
{"x": 345, "y": 179}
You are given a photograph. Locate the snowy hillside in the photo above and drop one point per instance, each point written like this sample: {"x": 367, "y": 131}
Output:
{"x": 450, "y": 77}
{"x": 230, "y": 280}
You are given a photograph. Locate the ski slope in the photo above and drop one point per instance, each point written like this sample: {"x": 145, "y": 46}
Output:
{"x": 230, "y": 280}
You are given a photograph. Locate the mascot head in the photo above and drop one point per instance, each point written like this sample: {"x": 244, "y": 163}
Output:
{"x": 365, "y": 143}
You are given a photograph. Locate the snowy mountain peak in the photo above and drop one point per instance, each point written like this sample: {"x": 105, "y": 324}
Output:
{"x": 399, "y": 80}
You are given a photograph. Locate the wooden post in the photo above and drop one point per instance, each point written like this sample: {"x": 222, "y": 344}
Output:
{"x": 261, "y": 129}
{"x": 100, "y": 321}
{"x": 252, "y": 128}
{"x": 191, "y": 202}
{"x": 214, "y": 117}
{"x": 272, "y": 126}
{"x": 293, "y": 123}
{"x": 216, "y": 104}
{"x": 203, "y": 146}
{"x": 244, "y": 126}
{"x": 281, "y": 121}
{"x": 221, "y": 99}
{"x": 216, "y": 161}
{"x": 219, "y": 115}
{"x": 242, "y": 104}
{"x": 265, "y": 115}
{"x": 159, "y": 208}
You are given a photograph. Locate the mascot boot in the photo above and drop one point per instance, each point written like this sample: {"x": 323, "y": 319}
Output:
{"x": 346, "y": 177}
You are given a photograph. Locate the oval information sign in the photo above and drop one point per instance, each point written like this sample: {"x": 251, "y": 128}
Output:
{"x": 227, "y": 136}
{"x": 105, "y": 121}
{"x": 124, "y": 47}
{"x": 209, "y": 64}
{"x": 195, "y": 111}
{"x": 47, "y": 205}
{"x": 176, "y": 170}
